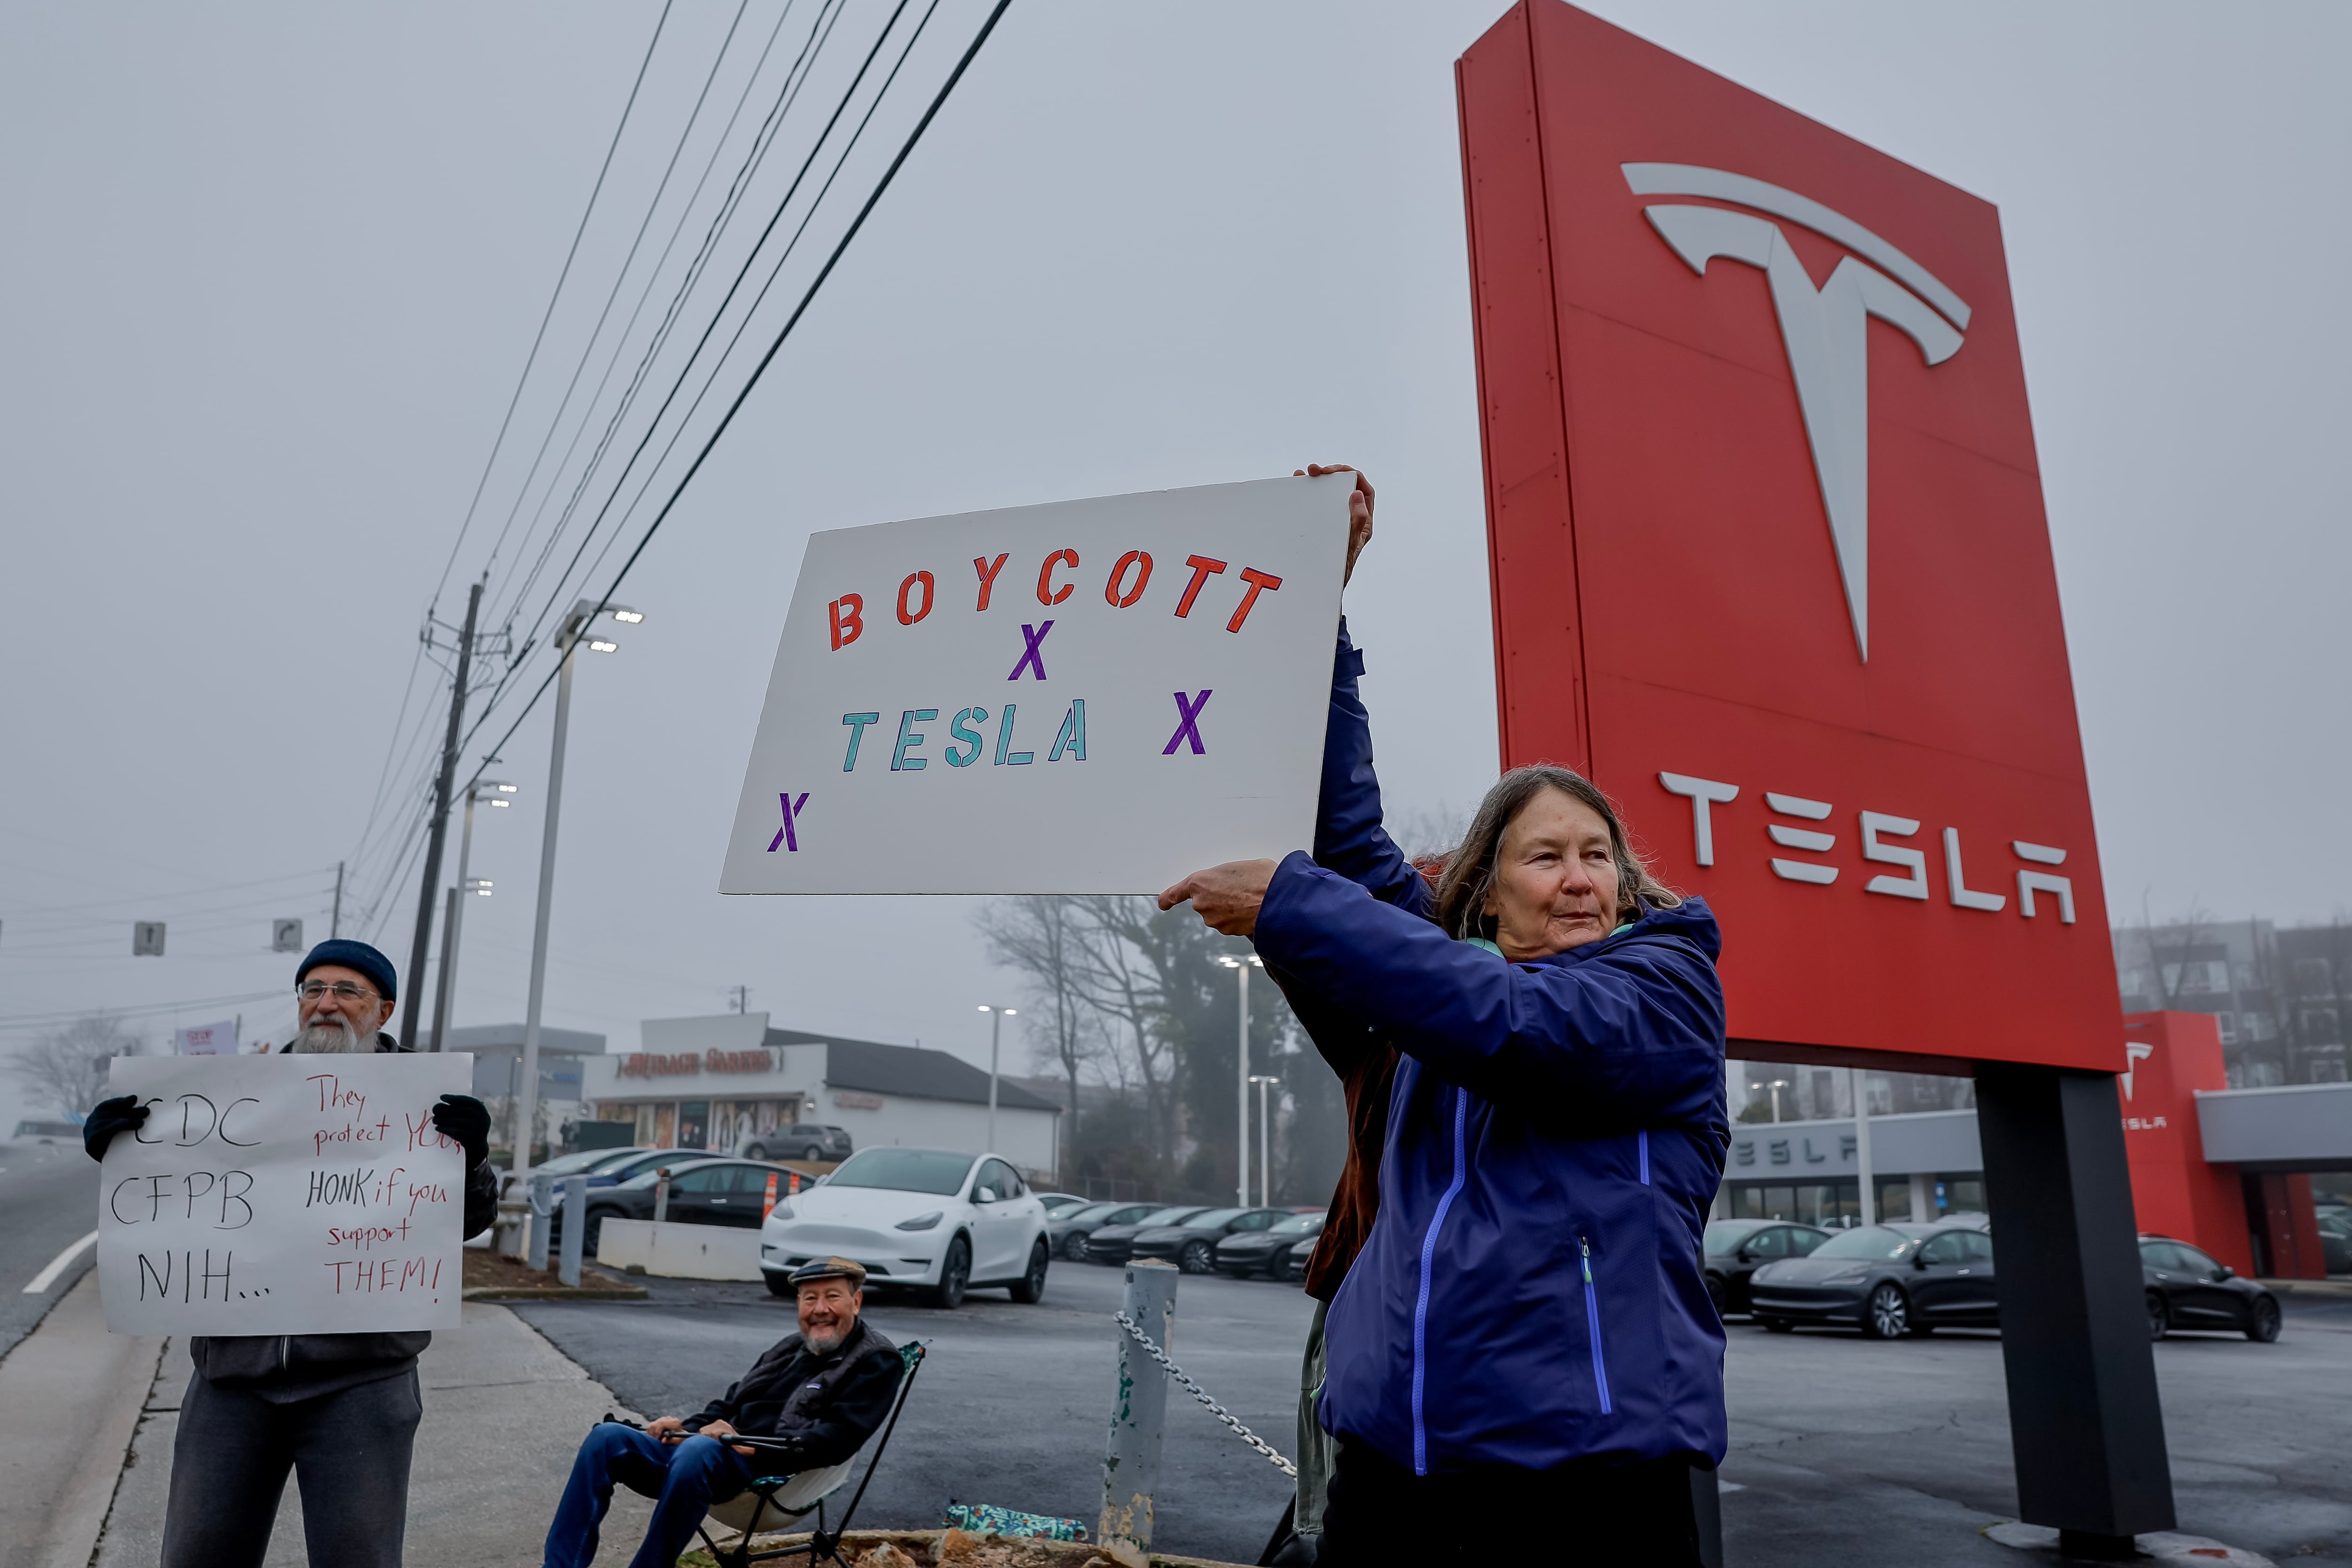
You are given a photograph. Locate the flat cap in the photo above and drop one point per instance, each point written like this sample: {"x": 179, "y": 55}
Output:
{"x": 818, "y": 1269}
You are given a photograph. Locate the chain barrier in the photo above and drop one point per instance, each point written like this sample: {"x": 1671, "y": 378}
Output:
{"x": 1197, "y": 1392}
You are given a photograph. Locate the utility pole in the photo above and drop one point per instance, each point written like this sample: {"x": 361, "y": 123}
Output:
{"x": 420, "y": 949}
{"x": 335, "y": 922}
{"x": 742, "y": 996}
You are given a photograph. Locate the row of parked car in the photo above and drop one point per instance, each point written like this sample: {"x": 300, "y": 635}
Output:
{"x": 1896, "y": 1279}
{"x": 1245, "y": 1243}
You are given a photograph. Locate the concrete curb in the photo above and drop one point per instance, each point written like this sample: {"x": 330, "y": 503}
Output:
{"x": 555, "y": 1293}
{"x": 69, "y": 1374}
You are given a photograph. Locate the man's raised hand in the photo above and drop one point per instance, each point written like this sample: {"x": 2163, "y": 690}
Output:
{"x": 1359, "y": 509}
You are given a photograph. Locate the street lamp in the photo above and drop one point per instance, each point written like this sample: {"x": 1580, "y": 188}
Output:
{"x": 996, "y": 1016}
{"x": 1264, "y": 1141}
{"x": 1241, "y": 965}
{"x": 574, "y": 631}
{"x": 445, "y": 990}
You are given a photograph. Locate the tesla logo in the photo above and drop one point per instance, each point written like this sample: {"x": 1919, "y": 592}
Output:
{"x": 2134, "y": 1053}
{"x": 1825, "y": 329}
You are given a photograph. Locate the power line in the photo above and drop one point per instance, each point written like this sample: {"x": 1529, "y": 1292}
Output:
{"x": 796, "y": 76}
{"x": 809, "y": 298}
{"x": 549, "y": 315}
{"x": 718, "y": 315}
{"x": 588, "y": 350}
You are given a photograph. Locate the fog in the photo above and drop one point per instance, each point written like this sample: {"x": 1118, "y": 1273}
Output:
{"x": 273, "y": 271}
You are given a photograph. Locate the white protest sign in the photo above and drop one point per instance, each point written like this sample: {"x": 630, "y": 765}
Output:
{"x": 283, "y": 1195}
{"x": 1086, "y": 696}
{"x": 206, "y": 1039}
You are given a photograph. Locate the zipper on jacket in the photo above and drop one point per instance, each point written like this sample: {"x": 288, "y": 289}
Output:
{"x": 1420, "y": 1306}
{"x": 1642, "y": 1143}
{"x": 284, "y": 1350}
{"x": 1592, "y": 1324}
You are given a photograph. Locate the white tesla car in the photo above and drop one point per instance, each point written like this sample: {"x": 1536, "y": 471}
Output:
{"x": 923, "y": 1218}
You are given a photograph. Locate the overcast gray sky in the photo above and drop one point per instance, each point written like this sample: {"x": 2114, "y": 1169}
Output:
{"x": 272, "y": 272}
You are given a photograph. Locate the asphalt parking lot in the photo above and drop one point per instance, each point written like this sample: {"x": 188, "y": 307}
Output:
{"x": 1843, "y": 1449}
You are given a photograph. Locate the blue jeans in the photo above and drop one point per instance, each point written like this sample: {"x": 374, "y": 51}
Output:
{"x": 688, "y": 1478}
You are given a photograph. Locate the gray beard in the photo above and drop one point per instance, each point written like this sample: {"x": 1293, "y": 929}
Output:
{"x": 338, "y": 1039}
{"x": 826, "y": 1343}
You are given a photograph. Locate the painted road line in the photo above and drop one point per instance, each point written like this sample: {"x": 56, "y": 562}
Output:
{"x": 48, "y": 1277}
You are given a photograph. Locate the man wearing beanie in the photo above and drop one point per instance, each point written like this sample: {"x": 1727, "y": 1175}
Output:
{"x": 339, "y": 1410}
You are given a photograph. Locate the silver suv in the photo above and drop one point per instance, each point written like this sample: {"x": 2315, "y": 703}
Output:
{"x": 807, "y": 1140}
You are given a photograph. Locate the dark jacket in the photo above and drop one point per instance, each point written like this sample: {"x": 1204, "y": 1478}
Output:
{"x": 1555, "y": 1132}
{"x": 831, "y": 1403}
{"x": 283, "y": 1368}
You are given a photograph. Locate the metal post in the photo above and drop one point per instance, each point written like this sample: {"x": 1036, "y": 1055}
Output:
{"x": 575, "y": 1227}
{"x": 1241, "y": 1053}
{"x": 2085, "y": 1421}
{"x": 995, "y": 1028}
{"x": 1265, "y": 1146}
{"x": 543, "y": 1204}
{"x": 1131, "y": 1464}
{"x": 335, "y": 921}
{"x": 527, "y": 1090}
{"x": 445, "y": 993}
{"x": 661, "y": 1196}
{"x": 1868, "y": 1214}
{"x": 439, "y": 831}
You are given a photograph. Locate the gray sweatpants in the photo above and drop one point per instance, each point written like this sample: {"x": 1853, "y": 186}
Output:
{"x": 349, "y": 1449}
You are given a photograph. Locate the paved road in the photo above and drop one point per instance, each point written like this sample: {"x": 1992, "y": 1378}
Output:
{"x": 1852, "y": 1450}
{"x": 1014, "y": 1404}
{"x": 48, "y": 1200}
{"x": 1843, "y": 1449}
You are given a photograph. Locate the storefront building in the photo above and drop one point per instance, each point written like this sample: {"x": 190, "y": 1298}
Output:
{"x": 730, "y": 1083}
{"x": 2261, "y": 1178}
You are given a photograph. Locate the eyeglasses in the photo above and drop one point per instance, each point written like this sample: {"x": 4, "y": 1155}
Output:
{"x": 311, "y": 990}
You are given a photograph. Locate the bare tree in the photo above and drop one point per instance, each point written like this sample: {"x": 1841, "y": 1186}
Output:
{"x": 68, "y": 1069}
{"x": 1038, "y": 936}
{"x": 1123, "y": 983}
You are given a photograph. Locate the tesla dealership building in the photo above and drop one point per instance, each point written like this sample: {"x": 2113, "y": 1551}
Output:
{"x": 2229, "y": 1170}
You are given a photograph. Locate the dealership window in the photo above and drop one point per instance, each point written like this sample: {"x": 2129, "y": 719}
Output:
{"x": 2312, "y": 977}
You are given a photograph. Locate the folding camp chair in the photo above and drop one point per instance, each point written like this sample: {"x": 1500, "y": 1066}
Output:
{"x": 776, "y": 1502}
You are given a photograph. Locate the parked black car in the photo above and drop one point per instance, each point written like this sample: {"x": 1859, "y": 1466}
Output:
{"x": 1115, "y": 1242}
{"x": 1267, "y": 1253}
{"x": 1888, "y": 1280}
{"x": 1301, "y": 1252}
{"x": 2186, "y": 1289}
{"x": 800, "y": 1141}
{"x": 1068, "y": 1231}
{"x": 1736, "y": 1248}
{"x": 702, "y": 1190}
{"x": 1191, "y": 1245}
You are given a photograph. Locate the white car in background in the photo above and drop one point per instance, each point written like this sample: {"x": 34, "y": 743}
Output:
{"x": 928, "y": 1219}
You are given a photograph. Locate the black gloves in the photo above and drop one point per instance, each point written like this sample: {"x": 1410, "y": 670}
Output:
{"x": 467, "y": 1119}
{"x": 110, "y": 1117}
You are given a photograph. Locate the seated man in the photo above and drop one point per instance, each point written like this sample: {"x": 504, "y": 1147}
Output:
{"x": 823, "y": 1390}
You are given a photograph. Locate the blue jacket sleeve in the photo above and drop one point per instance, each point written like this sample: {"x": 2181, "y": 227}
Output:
{"x": 1348, "y": 837}
{"x": 1626, "y": 1033}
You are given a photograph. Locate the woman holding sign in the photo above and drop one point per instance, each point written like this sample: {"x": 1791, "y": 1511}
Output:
{"x": 1526, "y": 1334}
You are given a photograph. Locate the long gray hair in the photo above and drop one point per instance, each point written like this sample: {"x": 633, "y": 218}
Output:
{"x": 1469, "y": 877}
